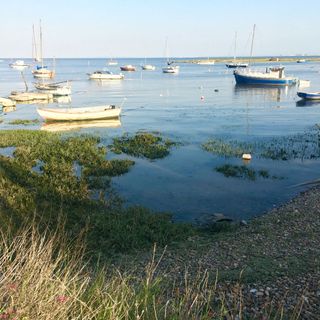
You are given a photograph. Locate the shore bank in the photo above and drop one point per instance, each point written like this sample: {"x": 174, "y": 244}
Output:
{"x": 270, "y": 60}
{"x": 274, "y": 259}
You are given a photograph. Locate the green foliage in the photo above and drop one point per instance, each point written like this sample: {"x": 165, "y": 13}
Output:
{"x": 24, "y": 122}
{"x": 243, "y": 171}
{"x": 53, "y": 177}
{"x": 148, "y": 145}
{"x": 300, "y": 146}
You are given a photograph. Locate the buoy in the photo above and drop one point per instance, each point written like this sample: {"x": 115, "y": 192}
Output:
{"x": 246, "y": 156}
{"x": 202, "y": 98}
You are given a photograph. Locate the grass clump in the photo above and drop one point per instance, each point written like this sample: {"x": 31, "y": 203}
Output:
{"x": 24, "y": 122}
{"x": 148, "y": 145}
{"x": 227, "y": 148}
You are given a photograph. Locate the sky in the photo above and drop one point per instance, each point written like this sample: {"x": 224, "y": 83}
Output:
{"x": 139, "y": 28}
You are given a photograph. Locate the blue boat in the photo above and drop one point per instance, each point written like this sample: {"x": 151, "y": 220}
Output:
{"x": 271, "y": 76}
{"x": 309, "y": 95}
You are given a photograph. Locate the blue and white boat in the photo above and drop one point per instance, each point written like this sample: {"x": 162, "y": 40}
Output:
{"x": 271, "y": 76}
{"x": 309, "y": 95}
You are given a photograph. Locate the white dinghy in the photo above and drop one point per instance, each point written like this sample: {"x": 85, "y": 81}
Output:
{"x": 76, "y": 114}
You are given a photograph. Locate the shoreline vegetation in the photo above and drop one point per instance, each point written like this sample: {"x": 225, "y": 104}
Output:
{"x": 271, "y": 59}
{"x": 67, "y": 238}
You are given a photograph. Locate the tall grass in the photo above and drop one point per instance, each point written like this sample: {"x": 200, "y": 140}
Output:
{"x": 42, "y": 276}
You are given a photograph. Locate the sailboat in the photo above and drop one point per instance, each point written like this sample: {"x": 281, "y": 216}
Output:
{"x": 234, "y": 63}
{"x": 170, "y": 68}
{"x": 112, "y": 62}
{"x": 147, "y": 67}
{"x": 271, "y": 76}
{"x": 42, "y": 71}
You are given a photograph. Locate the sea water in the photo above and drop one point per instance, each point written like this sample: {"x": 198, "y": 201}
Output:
{"x": 191, "y": 107}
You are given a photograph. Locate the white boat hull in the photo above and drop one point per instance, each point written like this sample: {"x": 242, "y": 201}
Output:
{"x": 94, "y": 76}
{"x": 54, "y": 90}
{"x": 148, "y": 67}
{"x": 76, "y": 114}
{"x": 171, "y": 69}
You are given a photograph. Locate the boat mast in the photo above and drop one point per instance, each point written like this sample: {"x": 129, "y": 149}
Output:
{"x": 235, "y": 47}
{"x": 41, "y": 53}
{"x": 254, "y": 29}
{"x": 166, "y": 51}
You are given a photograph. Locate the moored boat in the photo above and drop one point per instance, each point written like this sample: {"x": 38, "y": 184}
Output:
{"x": 233, "y": 65}
{"x": 301, "y": 60}
{"x": 105, "y": 75}
{"x": 30, "y": 96}
{"x": 309, "y": 95}
{"x": 57, "y": 89}
{"x": 148, "y": 67}
{"x": 128, "y": 67}
{"x": 43, "y": 72}
{"x": 271, "y": 76}
{"x": 171, "y": 69}
{"x": 19, "y": 65}
{"x": 76, "y": 114}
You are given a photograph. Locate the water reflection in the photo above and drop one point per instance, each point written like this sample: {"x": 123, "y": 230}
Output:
{"x": 307, "y": 103}
{"x": 268, "y": 92}
{"x": 77, "y": 125}
{"x": 62, "y": 99}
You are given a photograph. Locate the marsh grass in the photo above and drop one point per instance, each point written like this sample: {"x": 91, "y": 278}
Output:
{"x": 299, "y": 146}
{"x": 143, "y": 144}
{"x": 70, "y": 170}
{"x": 24, "y": 122}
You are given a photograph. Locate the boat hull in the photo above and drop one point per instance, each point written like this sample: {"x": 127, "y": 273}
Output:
{"x": 55, "y": 91}
{"x": 43, "y": 74}
{"x": 251, "y": 80}
{"x": 309, "y": 95}
{"x": 106, "y": 76}
{"x": 236, "y": 65}
{"x": 128, "y": 68}
{"x": 170, "y": 69}
{"x": 78, "y": 114}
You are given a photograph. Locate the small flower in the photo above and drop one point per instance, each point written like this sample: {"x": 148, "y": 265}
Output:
{"x": 62, "y": 299}
{"x": 12, "y": 286}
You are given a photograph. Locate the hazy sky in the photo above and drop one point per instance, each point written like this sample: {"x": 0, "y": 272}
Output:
{"x": 138, "y": 28}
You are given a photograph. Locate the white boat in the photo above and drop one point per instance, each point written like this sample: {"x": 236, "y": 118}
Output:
{"x": 301, "y": 61}
{"x": 171, "y": 69}
{"x": 30, "y": 96}
{"x": 76, "y": 114}
{"x": 112, "y": 63}
{"x": 42, "y": 71}
{"x": 148, "y": 67}
{"x": 19, "y": 65}
{"x": 105, "y": 75}
{"x": 57, "y": 89}
{"x": 208, "y": 62}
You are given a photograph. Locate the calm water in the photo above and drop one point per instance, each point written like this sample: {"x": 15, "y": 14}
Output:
{"x": 185, "y": 183}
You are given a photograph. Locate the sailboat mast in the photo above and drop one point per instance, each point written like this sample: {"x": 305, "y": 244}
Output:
{"x": 41, "y": 53}
{"x": 235, "y": 46}
{"x": 254, "y": 29}
{"x": 166, "y": 50}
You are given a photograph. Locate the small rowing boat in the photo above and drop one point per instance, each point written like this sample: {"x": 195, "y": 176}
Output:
{"x": 76, "y": 114}
{"x": 309, "y": 95}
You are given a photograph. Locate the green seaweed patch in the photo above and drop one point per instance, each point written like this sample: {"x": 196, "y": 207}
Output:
{"x": 302, "y": 146}
{"x": 24, "y": 122}
{"x": 148, "y": 145}
{"x": 227, "y": 148}
{"x": 72, "y": 184}
{"x": 244, "y": 172}
{"x": 109, "y": 168}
